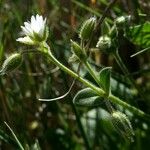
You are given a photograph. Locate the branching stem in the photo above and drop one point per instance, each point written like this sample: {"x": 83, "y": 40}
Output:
{"x": 99, "y": 91}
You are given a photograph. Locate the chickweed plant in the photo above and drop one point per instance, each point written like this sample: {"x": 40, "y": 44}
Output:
{"x": 36, "y": 34}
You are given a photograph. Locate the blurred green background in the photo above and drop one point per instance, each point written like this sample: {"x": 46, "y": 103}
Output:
{"x": 54, "y": 124}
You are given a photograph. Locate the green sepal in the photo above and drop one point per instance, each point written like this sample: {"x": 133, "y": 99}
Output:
{"x": 78, "y": 51}
{"x": 87, "y": 28}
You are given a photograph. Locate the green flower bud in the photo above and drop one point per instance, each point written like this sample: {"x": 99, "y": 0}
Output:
{"x": 78, "y": 51}
{"x": 87, "y": 28}
{"x": 121, "y": 21}
{"x": 104, "y": 43}
{"x": 11, "y": 63}
{"x": 122, "y": 124}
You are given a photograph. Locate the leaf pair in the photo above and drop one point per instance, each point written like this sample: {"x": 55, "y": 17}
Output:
{"x": 88, "y": 97}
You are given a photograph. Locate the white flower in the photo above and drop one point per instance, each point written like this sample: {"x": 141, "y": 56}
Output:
{"x": 35, "y": 31}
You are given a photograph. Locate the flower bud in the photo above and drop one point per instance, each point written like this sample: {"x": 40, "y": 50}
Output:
{"x": 11, "y": 63}
{"x": 78, "y": 51}
{"x": 87, "y": 28}
{"x": 122, "y": 124}
{"x": 104, "y": 43}
{"x": 121, "y": 21}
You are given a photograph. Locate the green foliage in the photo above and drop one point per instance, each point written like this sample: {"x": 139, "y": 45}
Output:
{"x": 87, "y": 97}
{"x": 57, "y": 125}
{"x": 78, "y": 51}
{"x": 104, "y": 76}
{"x": 140, "y": 34}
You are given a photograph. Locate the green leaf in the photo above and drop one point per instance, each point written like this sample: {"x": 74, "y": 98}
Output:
{"x": 87, "y": 97}
{"x": 140, "y": 34}
{"x": 104, "y": 76}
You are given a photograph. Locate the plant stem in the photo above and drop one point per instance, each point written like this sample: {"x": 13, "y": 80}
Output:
{"x": 114, "y": 98}
{"x": 133, "y": 109}
{"x": 121, "y": 63}
{"x": 73, "y": 74}
{"x": 92, "y": 72}
{"x": 99, "y": 91}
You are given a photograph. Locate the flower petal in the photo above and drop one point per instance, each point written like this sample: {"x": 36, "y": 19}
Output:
{"x": 26, "y": 40}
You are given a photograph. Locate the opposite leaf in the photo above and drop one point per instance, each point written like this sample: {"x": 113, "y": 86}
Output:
{"x": 87, "y": 97}
{"x": 104, "y": 76}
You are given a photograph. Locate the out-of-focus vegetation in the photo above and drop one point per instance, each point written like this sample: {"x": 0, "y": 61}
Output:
{"x": 53, "y": 125}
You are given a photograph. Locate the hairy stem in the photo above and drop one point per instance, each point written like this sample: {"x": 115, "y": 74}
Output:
{"x": 99, "y": 91}
{"x": 92, "y": 72}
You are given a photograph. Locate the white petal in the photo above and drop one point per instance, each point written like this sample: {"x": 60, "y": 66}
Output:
{"x": 27, "y": 29}
{"x": 26, "y": 40}
{"x": 33, "y": 19}
{"x": 37, "y": 17}
{"x": 42, "y": 26}
{"x": 28, "y": 26}
{"x": 35, "y": 26}
{"x": 38, "y": 25}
